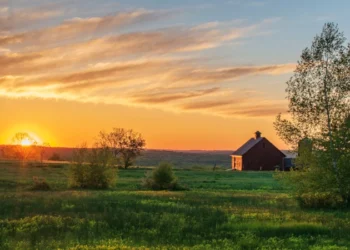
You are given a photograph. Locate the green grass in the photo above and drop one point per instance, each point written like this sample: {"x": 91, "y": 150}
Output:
{"x": 223, "y": 210}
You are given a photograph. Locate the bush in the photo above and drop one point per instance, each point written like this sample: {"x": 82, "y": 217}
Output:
{"x": 40, "y": 184}
{"x": 93, "y": 169}
{"x": 320, "y": 200}
{"x": 314, "y": 182}
{"x": 162, "y": 178}
{"x": 163, "y": 175}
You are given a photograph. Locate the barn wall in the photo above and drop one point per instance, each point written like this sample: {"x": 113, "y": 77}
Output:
{"x": 263, "y": 156}
{"x": 237, "y": 163}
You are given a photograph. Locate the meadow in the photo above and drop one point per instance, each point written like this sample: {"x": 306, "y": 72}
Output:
{"x": 222, "y": 210}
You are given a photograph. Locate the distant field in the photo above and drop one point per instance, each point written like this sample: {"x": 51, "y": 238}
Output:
{"x": 222, "y": 210}
{"x": 152, "y": 157}
{"x": 183, "y": 159}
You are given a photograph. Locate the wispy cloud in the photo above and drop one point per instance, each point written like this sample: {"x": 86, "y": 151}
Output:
{"x": 157, "y": 42}
{"x": 168, "y": 97}
{"x": 18, "y": 18}
{"x": 94, "y": 60}
{"x": 76, "y": 27}
{"x": 163, "y": 84}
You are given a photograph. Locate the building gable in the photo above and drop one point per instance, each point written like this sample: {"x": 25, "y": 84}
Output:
{"x": 266, "y": 143}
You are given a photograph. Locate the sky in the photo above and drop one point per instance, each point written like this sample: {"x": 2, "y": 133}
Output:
{"x": 185, "y": 74}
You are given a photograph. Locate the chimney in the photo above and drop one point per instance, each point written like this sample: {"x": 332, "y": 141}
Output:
{"x": 257, "y": 134}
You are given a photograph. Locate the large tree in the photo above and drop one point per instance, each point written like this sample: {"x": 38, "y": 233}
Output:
{"x": 318, "y": 95}
{"x": 125, "y": 144}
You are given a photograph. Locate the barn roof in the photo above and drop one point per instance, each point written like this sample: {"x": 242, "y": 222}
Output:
{"x": 247, "y": 146}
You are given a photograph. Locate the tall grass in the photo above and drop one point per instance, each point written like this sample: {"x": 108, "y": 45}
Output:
{"x": 223, "y": 210}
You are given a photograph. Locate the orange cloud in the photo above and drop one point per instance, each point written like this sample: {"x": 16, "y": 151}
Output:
{"x": 154, "y": 72}
{"x": 79, "y": 54}
{"x": 168, "y": 97}
{"x": 75, "y": 27}
{"x": 11, "y": 19}
{"x": 208, "y": 104}
{"x": 155, "y": 68}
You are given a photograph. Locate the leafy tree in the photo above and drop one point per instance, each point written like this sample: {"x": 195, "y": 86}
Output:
{"x": 23, "y": 147}
{"x": 319, "y": 103}
{"x": 124, "y": 143}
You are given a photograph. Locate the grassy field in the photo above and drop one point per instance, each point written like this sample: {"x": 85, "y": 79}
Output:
{"x": 222, "y": 210}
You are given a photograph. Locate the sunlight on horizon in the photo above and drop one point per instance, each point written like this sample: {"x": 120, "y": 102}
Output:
{"x": 26, "y": 142}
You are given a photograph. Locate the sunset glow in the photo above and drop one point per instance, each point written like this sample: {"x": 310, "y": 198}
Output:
{"x": 193, "y": 75}
{"x": 26, "y": 142}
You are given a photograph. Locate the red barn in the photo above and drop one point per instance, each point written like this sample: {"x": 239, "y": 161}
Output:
{"x": 257, "y": 154}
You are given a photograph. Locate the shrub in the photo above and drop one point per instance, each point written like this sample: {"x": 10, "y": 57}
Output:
{"x": 163, "y": 175}
{"x": 320, "y": 200}
{"x": 40, "y": 184}
{"x": 162, "y": 178}
{"x": 92, "y": 169}
{"x": 314, "y": 181}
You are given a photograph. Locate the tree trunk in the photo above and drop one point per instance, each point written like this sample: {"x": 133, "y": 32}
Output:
{"x": 127, "y": 161}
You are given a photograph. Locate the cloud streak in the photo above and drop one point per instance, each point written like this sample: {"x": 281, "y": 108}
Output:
{"x": 75, "y": 27}
{"x": 16, "y": 19}
{"x": 92, "y": 59}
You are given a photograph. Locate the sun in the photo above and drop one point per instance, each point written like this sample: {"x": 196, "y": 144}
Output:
{"x": 25, "y": 139}
{"x": 25, "y": 142}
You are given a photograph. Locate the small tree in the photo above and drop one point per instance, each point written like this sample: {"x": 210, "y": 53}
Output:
{"x": 23, "y": 148}
{"x": 125, "y": 144}
{"x": 319, "y": 103}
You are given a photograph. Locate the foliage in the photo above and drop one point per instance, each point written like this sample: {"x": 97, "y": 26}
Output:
{"x": 163, "y": 175}
{"x": 92, "y": 168}
{"x": 25, "y": 148}
{"x": 40, "y": 184}
{"x": 18, "y": 151}
{"x": 161, "y": 178}
{"x": 320, "y": 200}
{"x": 124, "y": 143}
{"x": 319, "y": 95}
{"x": 314, "y": 178}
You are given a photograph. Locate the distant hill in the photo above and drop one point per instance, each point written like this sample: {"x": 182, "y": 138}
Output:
{"x": 152, "y": 157}
{"x": 186, "y": 158}
{"x": 179, "y": 158}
